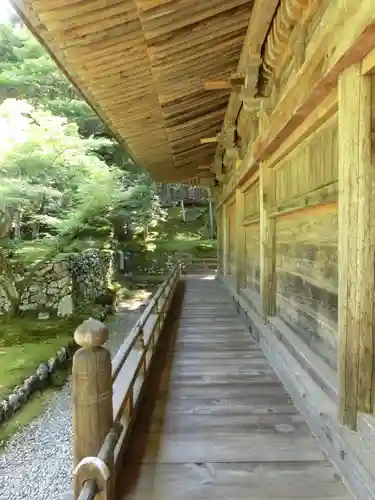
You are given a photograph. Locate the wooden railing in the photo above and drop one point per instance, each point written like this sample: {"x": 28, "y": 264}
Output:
{"x": 207, "y": 265}
{"x": 170, "y": 193}
{"x": 106, "y": 394}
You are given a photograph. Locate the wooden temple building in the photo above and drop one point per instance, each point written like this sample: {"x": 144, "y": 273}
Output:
{"x": 271, "y": 103}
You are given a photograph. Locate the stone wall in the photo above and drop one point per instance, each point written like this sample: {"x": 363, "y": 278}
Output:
{"x": 51, "y": 289}
{"x": 65, "y": 282}
{"x": 91, "y": 271}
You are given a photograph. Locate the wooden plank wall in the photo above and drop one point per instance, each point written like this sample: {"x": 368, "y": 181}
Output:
{"x": 306, "y": 269}
{"x": 306, "y": 240}
{"x": 293, "y": 133}
{"x": 309, "y": 134}
{"x": 304, "y": 203}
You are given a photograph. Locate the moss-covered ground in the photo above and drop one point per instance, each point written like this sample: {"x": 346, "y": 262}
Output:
{"x": 25, "y": 342}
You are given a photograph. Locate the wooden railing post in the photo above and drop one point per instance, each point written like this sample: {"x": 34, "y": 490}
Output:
{"x": 92, "y": 392}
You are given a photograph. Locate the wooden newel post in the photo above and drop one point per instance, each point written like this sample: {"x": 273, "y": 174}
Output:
{"x": 92, "y": 392}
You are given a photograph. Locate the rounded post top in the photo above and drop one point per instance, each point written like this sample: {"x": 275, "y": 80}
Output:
{"x": 91, "y": 333}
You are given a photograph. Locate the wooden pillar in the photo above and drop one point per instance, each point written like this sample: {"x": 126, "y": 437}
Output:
{"x": 267, "y": 245}
{"x": 219, "y": 240}
{"x": 211, "y": 218}
{"x": 225, "y": 239}
{"x": 92, "y": 392}
{"x": 240, "y": 240}
{"x": 356, "y": 246}
{"x": 183, "y": 208}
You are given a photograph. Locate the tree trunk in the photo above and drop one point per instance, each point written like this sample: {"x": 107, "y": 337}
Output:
{"x": 35, "y": 235}
{"x": 9, "y": 286}
{"x": 212, "y": 227}
{"x": 129, "y": 231}
{"x": 17, "y": 225}
{"x": 13, "y": 289}
{"x": 183, "y": 210}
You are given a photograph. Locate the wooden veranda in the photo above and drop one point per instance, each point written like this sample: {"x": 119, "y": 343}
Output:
{"x": 198, "y": 410}
{"x": 215, "y": 421}
{"x": 272, "y": 104}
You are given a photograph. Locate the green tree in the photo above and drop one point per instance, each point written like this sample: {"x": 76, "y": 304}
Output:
{"x": 28, "y": 72}
{"x": 52, "y": 179}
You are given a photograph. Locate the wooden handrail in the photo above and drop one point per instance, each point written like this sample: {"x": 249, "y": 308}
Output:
{"x": 106, "y": 394}
{"x": 206, "y": 264}
{"x": 136, "y": 332}
{"x": 90, "y": 487}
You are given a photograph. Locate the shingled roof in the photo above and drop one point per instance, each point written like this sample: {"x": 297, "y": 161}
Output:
{"x": 142, "y": 65}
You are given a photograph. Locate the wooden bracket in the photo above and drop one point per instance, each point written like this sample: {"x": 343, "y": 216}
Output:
{"x": 249, "y": 90}
{"x": 209, "y": 140}
{"x": 227, "y": 162}
{"x": 234, "y": 83}
{"x": 251, "y": 104}
{"x": 217, "y": 165}
{"x": 228, "y": 136}
{"x": 232, "y": 153}
{"x": 368, "y": 63}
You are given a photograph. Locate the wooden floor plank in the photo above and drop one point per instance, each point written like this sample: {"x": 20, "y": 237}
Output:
{"x": 215, "y": 422}
{"x": 233, "y": 481}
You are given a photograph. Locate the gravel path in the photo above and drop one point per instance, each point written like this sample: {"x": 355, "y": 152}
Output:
{"x": 37, "y": 463}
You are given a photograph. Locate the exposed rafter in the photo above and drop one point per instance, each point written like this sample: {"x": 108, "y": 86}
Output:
{"x": 142, "y": 64}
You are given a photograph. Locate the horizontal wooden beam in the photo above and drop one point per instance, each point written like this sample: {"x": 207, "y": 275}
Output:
{"x": 337, "y": 50}
{"x": 251, "y": 219}
{"x": 368, "y": 63}
{"x": 209, "y": 140}
{"x": 237, "y": 80}
{"x": 325, "y": 111}
{"x": 325, "y": 195}
{"x": 232, "y": 83}
{"x": 217, "y": 85}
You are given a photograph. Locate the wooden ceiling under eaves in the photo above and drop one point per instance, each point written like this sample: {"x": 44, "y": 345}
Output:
{"x": 142, "y": 64}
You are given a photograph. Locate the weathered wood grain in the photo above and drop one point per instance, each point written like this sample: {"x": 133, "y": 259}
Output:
{"x": 140, "y": 64}
{"x": 267, "y": 245}
{"x": 216, "y": 422}
{"x": 347, "y": 449}
{"x": 310, "y": 166}
{"x": 307, "y": 277}
{"x": 211, "y": 481}
{"x": 252, "y": 202}
{"x": 252, "y": 235}
{"x": 356, "y": 245}
{"x": 240, "y": 240}
{"x": 232, "y": 222}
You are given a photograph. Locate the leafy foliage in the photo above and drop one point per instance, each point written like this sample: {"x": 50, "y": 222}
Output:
{"x": 28, "y": 72}
{"x": 65, "y": 184}
{"x": 57, "y": 190}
